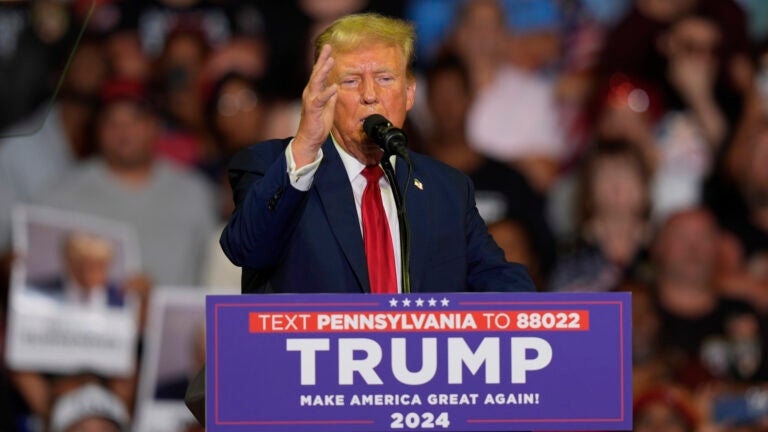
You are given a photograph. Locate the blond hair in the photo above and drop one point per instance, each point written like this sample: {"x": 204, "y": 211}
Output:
{"x": 352, "y": 31}
{"x": 77, "y": 244}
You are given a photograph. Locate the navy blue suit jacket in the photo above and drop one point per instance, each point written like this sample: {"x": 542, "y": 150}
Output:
{"x": 289, "y": 241}
{"x": 53, "y": 288}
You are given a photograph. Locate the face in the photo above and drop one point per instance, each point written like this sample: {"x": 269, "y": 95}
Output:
{"x": 239, "y": 115}
{"x": 617, "y": 187}
{"x": 448, "y": 99}
{"x": 481, "y": 32}
{"x": 372, "y": 80}
{"x": 88, "y": 262}
{"x": 695, "y": 39}
{"x": 127, "y": 135}
{"x": 686, "y": 247}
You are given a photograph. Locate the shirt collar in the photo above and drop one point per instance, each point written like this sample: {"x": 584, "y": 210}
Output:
{"x": 351, "y": 164}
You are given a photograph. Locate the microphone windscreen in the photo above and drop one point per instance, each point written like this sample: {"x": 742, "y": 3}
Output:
{"x": 372, "y": 123}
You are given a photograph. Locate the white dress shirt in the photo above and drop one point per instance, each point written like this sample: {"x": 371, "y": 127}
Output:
{"x": 95, "y": 298}
{"x": 302, "y": 178}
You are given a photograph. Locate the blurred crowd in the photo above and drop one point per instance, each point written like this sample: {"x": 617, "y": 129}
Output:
{"x": 615, "y": 145}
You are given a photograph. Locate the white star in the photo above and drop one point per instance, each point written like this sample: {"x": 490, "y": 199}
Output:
{"x": 406, "y": 302}
{"x": 393, "y": 302}
{"x": 432, "y": 302}
{"x": 444, "y": 302}
{"x": 419, "y": 302}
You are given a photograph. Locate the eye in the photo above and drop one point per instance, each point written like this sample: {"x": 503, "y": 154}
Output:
{"x": 386, "y": 79}
{"x": 349, "y": 82}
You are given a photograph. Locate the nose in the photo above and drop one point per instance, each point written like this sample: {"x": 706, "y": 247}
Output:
{"x": 369, "y": 94}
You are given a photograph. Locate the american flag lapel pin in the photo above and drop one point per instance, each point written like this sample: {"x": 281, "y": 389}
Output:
{"x": 418, "y": 184}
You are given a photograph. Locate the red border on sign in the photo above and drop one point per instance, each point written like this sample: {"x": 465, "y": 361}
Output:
{"x": 461, "y": 303}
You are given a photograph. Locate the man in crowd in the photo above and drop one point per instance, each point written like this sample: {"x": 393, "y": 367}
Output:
{"x": 315, "y": 213}
{"x": 171, "y": 210}
{"x": 706, "y": 333}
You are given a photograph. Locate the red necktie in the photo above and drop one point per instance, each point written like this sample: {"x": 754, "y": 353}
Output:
{"x": 378, "y": 242}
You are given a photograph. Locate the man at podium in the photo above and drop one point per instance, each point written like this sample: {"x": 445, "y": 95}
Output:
{"x": 316, "y": 212}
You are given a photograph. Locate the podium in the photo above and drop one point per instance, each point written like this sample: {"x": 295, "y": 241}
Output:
{"x": 420, "y": 361}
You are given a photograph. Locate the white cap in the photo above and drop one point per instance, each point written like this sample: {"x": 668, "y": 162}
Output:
{"x": 90, "y": 400}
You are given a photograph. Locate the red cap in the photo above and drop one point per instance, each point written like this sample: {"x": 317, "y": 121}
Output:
{"x": 124, "y": 90}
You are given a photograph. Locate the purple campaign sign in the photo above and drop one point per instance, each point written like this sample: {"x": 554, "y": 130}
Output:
{"x": 422, "y": 361}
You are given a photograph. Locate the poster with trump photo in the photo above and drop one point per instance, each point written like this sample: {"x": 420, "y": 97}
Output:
{"x": 69, "y": 309}
{"x": 420, "y": 361}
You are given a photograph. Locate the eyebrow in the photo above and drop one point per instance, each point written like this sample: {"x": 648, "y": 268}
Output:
{"x": 351, "y": 71}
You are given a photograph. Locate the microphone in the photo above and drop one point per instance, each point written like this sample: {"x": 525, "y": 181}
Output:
{"x": 391, "y": 139}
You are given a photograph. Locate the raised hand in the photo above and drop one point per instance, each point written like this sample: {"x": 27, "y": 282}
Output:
{"x": 318, "y": 102}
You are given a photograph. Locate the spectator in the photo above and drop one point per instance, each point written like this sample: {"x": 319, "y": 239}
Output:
{"x": 172, "y": 211}
{"x": 694, "y": 127}
{"x": 500, "y": 191}
{"x": 185, "y": 139}
{"x": 696, "y": 319}
{"x": 478, "y": 39}
{"x": 612, "y": 219}
{"x": 632, "y": 46}
{"x": 513, "y": 117}
{"x": 43, "y": 147}
{"x": 236, "y": 110}
{"x": 692, "y": 48}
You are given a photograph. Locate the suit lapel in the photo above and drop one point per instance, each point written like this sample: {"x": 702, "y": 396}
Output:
{"x": 332, "y": 185}
{"x": 417, "y": 206}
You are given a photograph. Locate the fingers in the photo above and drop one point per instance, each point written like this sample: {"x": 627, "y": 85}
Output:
{"x": 318, "y": 105}
{"x": 325, "y": 97}
{"x": 321, "y": 70}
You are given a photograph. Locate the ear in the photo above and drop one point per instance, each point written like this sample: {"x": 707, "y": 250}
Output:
{"x": 410, "y": 92}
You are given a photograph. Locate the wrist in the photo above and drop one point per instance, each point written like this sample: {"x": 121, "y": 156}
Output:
{"x": 303, "y": 153}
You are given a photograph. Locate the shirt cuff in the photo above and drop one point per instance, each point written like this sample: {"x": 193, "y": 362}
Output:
{"x": 301, "y": 178}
